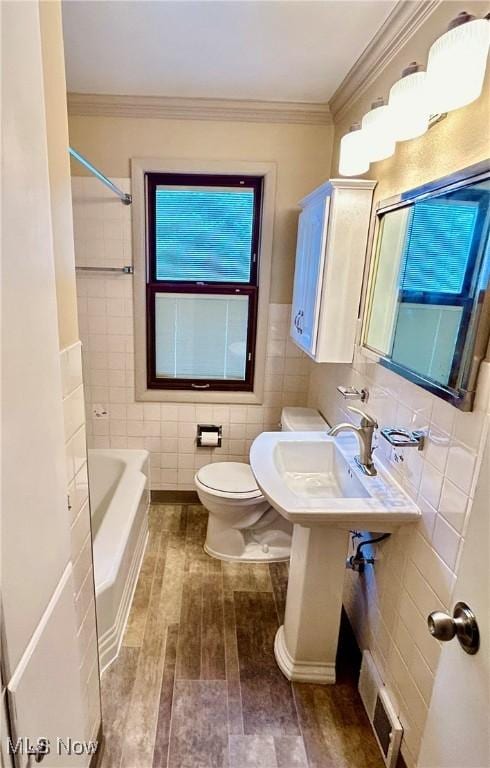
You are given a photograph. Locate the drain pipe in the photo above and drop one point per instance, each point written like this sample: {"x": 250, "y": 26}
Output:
{"x": 358, "y": 562}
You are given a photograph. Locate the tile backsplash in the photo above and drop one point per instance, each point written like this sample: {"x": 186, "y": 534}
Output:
{"x": 416, "y": 567}
{"x": 168, "y": 430}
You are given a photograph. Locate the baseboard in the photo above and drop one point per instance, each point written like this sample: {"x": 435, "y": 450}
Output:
{"x": 174, "y": 497}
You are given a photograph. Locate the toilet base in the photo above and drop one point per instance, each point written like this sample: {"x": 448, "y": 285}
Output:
{"x": 268, "y": 541}
{"x": 253, "y": 553}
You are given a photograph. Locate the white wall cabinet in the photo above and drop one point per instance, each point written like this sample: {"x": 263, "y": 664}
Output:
{"x": 331, "y": 250}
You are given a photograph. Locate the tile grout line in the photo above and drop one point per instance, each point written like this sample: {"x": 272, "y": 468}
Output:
{"x": 299, "y": 724}
{"x": 161, "y": 549}
{"x": 238, "y": 662}
{"x": 164, "y": 541}
{"x": 159, "y": 538}
{"x": 226, "y": 664}
{"x": 163, "y": 654}
{"x": 201, "y": 624}
{"x": 183, "y": 509}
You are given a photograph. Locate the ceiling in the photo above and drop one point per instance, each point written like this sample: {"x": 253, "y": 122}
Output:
{"x": 273, "y": 50}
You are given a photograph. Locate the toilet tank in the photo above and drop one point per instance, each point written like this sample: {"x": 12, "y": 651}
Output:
{"x": 295, "y": 419}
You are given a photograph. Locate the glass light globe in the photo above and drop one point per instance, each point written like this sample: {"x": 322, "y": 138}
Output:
{"x": 409, "y": 104}
{"x": 377, "y": 124}
{"x": 457, "y": 63}
{"x": 353, "y": 156}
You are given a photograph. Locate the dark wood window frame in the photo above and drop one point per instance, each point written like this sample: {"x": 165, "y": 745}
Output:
{"x": 155, "y": 286}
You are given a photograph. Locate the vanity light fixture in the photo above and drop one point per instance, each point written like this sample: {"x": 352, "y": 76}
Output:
{"x": 409, "y": 104}
{"x": 353, "y": 153}
{"x": 378, "y": 127}
{"x": 457, "y": 63}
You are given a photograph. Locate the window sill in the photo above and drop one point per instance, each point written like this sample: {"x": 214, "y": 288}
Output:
{"x": 193, "y": 396}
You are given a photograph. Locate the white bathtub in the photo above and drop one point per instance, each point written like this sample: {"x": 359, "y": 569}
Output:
{"x": 119, "y": 498}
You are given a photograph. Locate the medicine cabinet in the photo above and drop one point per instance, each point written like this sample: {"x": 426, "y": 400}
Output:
{"x": 330, "y": 256}
{"x": 428, "y": 313}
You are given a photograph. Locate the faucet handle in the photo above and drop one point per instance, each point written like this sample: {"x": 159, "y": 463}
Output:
{"x": 366, "y": 419}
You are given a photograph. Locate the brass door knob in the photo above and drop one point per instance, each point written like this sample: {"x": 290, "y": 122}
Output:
{"x": 462, "y": 625}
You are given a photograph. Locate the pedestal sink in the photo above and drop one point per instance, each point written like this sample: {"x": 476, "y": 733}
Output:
{"x": 313, "y": 481}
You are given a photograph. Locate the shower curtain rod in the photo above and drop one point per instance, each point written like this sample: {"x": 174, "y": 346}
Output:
{"x": 124, "y": 197}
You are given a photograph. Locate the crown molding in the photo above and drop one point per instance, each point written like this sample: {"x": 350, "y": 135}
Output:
{"x": 402, "y": 23}
{"x": 102, "y": 105}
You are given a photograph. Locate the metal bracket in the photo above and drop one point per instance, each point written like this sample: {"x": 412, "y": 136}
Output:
{"x": 404, "y": 438}
{"x": 351, "y": 393}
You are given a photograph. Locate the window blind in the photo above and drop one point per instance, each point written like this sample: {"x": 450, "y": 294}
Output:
{"x": 204, "y": 234}
{"x": 201, "y": 336}
{"x": 439, "y": 246}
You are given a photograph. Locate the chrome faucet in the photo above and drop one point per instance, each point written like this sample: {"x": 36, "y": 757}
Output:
{"x": 364, "y": 433}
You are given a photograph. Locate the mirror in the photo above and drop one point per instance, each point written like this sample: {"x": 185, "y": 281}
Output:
{"x": 428, "y": 312}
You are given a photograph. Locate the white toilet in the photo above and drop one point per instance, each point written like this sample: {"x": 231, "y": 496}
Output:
{"x": 242, "y": 525}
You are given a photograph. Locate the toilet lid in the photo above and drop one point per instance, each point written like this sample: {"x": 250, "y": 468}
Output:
{"x": 229, "y": 477}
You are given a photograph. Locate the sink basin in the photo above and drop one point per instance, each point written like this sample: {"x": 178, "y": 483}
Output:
{"x": 312, "y": 479}
{"x": 316, "y": 470}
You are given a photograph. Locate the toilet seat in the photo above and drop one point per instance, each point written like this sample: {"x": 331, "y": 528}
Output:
{"x": 229, "y": 479}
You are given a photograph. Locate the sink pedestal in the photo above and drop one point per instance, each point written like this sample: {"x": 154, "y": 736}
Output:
{"x": 306, "y": 644}
{"x": 312, "y": 479}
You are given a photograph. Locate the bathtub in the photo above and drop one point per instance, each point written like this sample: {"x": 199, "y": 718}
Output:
{"x": 119, "y": 498}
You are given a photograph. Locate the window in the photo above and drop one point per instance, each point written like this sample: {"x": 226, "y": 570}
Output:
{"x": 202, "y": 280}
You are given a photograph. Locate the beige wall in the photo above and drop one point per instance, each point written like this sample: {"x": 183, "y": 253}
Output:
{"x": 59, "y": 169}
{"x": 302, "y": 154}
{"x": 419, "y": 564}
{"x": 459, "y": 140}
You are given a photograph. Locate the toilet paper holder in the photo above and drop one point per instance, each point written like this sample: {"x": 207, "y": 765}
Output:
{"x": 208, "y": 436}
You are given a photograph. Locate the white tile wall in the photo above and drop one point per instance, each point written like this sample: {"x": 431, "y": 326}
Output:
{"x": 417, "y": 566}
{"x": 105, "y": 306}
{"x": 81, "y": 543}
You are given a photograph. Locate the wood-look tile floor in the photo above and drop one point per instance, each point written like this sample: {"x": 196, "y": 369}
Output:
{"x": 196, "y": 684}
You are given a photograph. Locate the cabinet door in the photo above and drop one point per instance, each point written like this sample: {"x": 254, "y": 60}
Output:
{"x": 317, "y": 232}
{"x": 308, "y": 274}
{"x": 299, "y": 277}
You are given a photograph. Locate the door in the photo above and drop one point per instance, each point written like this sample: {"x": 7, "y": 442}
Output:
{"x": 35, "y": 529}
{"x": 308, "y": 274}
{"x": 40, "y": 652}
{"x": 457, "y": 733}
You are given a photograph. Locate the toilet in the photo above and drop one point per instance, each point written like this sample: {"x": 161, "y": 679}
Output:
{"x": 242, "y": 525}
